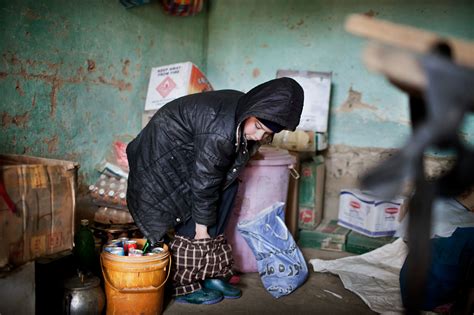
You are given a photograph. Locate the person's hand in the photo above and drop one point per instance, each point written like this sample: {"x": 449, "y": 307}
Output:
{"x": 201, "y": 232}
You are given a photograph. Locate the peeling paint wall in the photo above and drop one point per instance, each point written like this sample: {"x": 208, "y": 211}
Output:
{"x": 250, "y": 40}
{"x": 74, "y": 74}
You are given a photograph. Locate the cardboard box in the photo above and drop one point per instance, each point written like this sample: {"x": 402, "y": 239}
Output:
{"x": 328, "y": 236}
{"x": 172, "y": 81}
{"x": 37, "y": 216}
{"x": 311, "y": 193}
{"x": 368, "y": 215}
{"x": 360, "y": 244}
{"x": 317, "y": 93}
{"x": 300, "y": 141}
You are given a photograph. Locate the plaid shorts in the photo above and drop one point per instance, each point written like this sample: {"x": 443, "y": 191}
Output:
{"x": 196, "y": 260}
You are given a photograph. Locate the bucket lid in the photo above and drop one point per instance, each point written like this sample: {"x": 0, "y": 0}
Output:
{"x": 81, "y": 283}
{"x": 272, "y": 156}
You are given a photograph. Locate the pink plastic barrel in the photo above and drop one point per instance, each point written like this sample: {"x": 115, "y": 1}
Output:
{"x": 264, "y": 182}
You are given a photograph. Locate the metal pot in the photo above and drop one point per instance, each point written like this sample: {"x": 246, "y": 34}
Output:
{"x": 83, "y": 295}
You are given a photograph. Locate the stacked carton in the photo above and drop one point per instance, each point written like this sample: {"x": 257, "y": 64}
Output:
{"x": 311, "y": 135}
{"x": 311, "y": 193}
{"x": 368, "y": 215}
{"x": 360, "y": 244}
{"x": 328, "y": 236}
{"x": 307, "y": 142}
{"x": 38, "y": 198}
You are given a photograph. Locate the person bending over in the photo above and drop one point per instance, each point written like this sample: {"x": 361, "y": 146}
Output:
{"x": 183, "y": 175}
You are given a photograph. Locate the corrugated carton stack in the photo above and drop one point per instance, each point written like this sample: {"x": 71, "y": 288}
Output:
{"x": 368, "y": 215}
{"x": 374, "y": 218}
{"x": 311, "y": 193}
{"x": 328, "y": 236}
{"x": 38, "y": 198}
{"x": 305, "y": 211}
{"x": 372, "y": 221}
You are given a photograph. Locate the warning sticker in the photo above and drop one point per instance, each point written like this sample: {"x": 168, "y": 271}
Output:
{"x": 166, "y": 86}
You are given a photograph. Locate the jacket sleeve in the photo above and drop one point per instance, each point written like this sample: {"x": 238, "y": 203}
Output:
{"x": 212, "y": 161}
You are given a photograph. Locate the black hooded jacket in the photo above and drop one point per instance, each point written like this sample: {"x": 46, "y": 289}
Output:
{"x": 192, "y": 149}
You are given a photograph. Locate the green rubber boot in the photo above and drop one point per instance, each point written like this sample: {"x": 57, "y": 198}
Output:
{"x": 229, "y": 291}
{"x": 202, "y": 296}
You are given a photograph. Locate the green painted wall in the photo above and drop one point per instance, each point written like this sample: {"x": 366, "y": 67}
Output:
{"x": 74, "y": 74}
{"x": 250, "y": 40}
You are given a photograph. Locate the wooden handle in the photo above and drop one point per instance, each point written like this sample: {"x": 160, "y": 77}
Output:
{"x": 398, "y": 65}
{"x": 407, "y": 37}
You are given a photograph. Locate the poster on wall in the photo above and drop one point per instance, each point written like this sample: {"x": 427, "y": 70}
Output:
{"x": 317, "y": 91}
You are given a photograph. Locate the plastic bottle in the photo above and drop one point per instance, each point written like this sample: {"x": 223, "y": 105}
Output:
{"x": 123, "y": 200}
{"x": 112, "y": 198}
{"x": 122, "y": 188}
{"x": 93, "y": 191}
{"x": 84, "y": 247}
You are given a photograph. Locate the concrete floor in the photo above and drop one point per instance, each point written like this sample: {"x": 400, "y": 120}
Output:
{"x": 310, "y": 298}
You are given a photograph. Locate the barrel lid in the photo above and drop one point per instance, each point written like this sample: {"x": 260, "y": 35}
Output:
{"x": 81, "y": 283}
{"x": 272, "y": 156}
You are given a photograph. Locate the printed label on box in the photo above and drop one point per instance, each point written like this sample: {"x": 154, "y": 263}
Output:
{"x": 367, "y": 215}
{"x": 38, "y": 245}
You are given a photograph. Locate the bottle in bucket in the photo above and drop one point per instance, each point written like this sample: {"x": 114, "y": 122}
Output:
{"x": 117, "y": 251}
{"x": 129, "y": 245}
{"x": 157, "y": 250}
{"x": 135, "y": 252}
{"x": 115, "y": 242}
{"x": 128, "y": 282}
{"x": 123, "y": 240}
{"x": 109, "y": 248}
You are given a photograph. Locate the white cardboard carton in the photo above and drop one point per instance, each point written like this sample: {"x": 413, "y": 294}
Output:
{"x": 368, "y": 215}
{"x": 172, "y": 81}
{"x": 317, "y": 93}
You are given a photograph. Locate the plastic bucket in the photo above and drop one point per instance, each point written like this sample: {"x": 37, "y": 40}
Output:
{"x": 135, "y": 285}
{"x": 264, "y": 181}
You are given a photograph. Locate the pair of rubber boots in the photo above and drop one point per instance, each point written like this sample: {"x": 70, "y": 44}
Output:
{"x": 213, "y": 291}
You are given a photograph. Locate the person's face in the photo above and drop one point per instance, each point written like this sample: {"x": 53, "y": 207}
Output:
{"x": 255, "y": 130}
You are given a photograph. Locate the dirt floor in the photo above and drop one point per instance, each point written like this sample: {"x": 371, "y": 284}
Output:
{"x": 322, "y": 293}
{"x": 314, "y": 297}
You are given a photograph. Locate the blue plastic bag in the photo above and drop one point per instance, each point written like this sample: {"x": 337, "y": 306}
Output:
{"x": 280, "y": 263}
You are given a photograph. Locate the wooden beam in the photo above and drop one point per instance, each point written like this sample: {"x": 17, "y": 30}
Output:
{"x": 407, "y": 37}
{"x": 398, "y": 65}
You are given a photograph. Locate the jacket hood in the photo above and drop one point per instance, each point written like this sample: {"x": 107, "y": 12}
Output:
{"x": 279, "y": 101}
